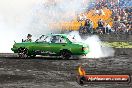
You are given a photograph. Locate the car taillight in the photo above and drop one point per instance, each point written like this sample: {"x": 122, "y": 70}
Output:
{"x": 84, "y": 48}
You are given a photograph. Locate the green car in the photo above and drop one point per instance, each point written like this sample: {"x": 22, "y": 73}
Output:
{"x": 51, "y": 45}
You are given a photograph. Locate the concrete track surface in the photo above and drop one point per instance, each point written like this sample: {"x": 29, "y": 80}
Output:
{"x": 45, "y": 72}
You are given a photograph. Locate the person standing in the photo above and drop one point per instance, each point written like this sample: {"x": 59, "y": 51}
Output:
{"x": 29, "y": 38}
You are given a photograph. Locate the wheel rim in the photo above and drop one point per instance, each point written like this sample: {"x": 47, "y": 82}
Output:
{"x": 22, "y": 52}
{"x": 65, "y": 55}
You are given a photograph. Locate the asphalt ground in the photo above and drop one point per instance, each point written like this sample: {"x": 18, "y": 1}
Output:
{"x": 51, "y": 72}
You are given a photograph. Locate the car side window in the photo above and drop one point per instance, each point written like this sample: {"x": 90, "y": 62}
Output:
{"x": 48, "y": 39}
{"x": 58, "y": 39}
{"x": 54, "y": 39}
{"x": 62, "y": 40}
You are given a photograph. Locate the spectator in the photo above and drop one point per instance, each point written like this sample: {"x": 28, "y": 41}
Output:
{"x": 100, "y": 23}
{"x": 91, "y": 25}
{"x": 100, "y": 27}
{"x": 123, "y": 27}
{"x": 129, "y": 28}
{"x": 29, "y": 38}
{"x": 87, "y": 25}
{"x": 108, "y": 28}
{"x": 121, "y": 15}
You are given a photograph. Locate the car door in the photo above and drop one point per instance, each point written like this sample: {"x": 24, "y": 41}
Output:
{"x": 57, "y": 44}
{"x": 42, "y": 45}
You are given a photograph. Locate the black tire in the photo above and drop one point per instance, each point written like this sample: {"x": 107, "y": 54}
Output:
{"x": 65, "y": 54}
{"x": 23, "y": 53}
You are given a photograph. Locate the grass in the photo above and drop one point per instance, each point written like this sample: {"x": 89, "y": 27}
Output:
{"x": 118, "y": 44}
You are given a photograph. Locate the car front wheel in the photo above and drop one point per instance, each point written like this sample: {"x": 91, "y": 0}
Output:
{"x": 65, "y": 54}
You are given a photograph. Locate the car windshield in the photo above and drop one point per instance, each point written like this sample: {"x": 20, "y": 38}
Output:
{"x": 72, "y": 39}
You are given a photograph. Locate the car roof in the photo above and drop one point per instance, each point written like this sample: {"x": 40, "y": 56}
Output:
{"x": 64, "y": 35}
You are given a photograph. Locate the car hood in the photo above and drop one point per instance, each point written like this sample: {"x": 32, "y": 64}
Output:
{"x": 83, "y": 44}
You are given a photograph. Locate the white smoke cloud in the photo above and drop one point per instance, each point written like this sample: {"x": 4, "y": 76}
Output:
{"x": 14, "y": 21}
{"x": 54, "y": 11}
{"x": 20, "y": 17}
{"x": 95, "y": 47}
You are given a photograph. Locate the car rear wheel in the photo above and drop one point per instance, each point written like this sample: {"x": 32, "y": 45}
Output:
{"x": 23, "y": 53}
{"x": 65, "y": 54}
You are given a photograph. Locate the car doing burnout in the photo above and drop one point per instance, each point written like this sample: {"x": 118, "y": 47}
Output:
{"x": 51, "y": 45}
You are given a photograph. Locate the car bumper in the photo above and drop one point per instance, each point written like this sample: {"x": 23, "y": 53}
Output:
{"x": 14, "y": 49}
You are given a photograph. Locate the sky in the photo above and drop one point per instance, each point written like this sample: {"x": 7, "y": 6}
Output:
{"x": 14, "y": 20}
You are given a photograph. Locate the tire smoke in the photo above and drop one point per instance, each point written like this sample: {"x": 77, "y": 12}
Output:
{"x": 95, "y": 47}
